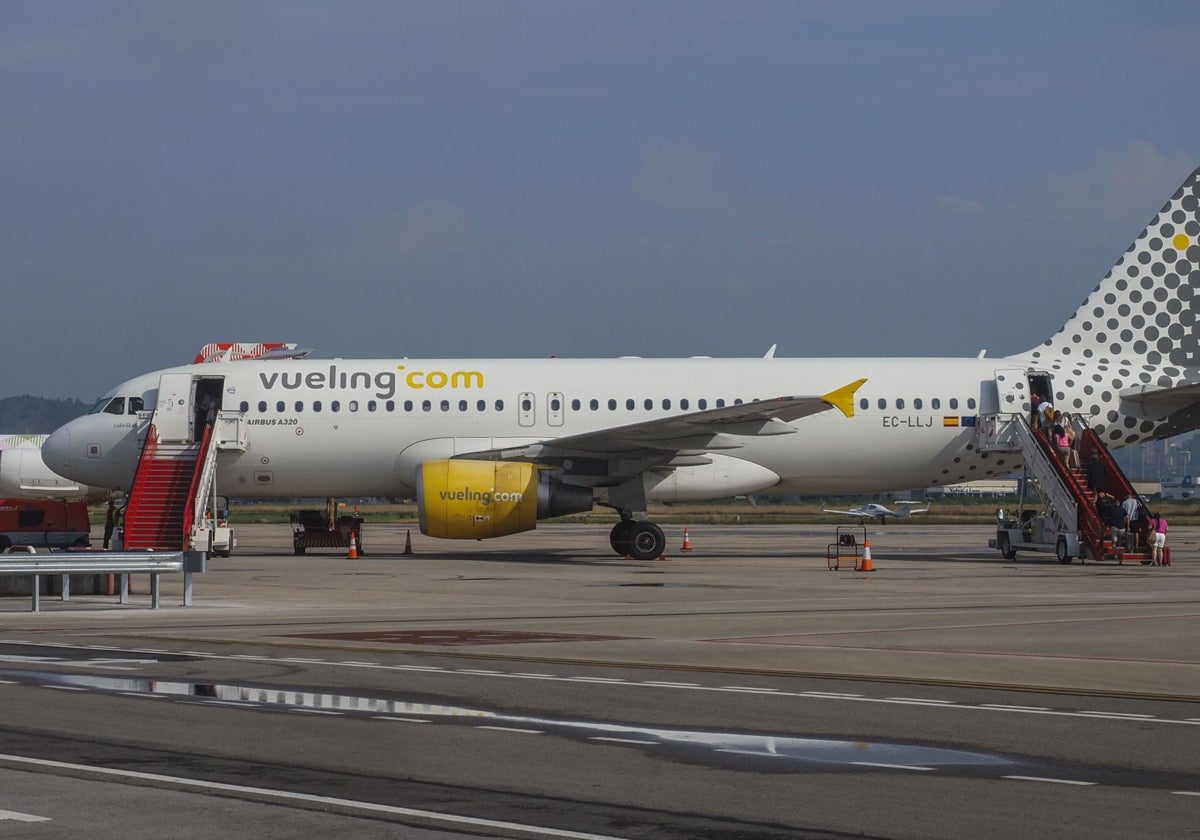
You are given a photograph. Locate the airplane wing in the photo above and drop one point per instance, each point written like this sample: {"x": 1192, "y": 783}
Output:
{"x": 679, "y": 440}
{"x": 849, "y": 512}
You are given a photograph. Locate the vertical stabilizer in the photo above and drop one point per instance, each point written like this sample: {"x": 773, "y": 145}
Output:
{"x": 1145, "y": 310}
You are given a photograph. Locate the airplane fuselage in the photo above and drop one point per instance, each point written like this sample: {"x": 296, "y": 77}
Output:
{"x": 360, "y": 427}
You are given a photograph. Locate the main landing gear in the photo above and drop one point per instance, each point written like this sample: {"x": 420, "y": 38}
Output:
{"x": 638, "y": 539}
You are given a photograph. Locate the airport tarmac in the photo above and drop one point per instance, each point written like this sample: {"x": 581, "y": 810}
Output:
{"x": 540, "y": 685}
{"x": 938, "y": 607}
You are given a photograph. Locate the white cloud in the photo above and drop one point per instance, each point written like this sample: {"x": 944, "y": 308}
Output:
{"x": 429, "y": 228}
{"x": 1138, "y": 176}
{"x": 954, "y": 204}
{"x": 686, "y": 180}
{"x": 678, "y": 176}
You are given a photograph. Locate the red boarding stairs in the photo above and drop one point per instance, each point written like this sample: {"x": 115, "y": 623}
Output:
{"x": 1092, "y": 532}
{"x": 160, "y": 513}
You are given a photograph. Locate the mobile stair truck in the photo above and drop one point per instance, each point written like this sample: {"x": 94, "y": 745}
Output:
{"x": 1061, "y": 517}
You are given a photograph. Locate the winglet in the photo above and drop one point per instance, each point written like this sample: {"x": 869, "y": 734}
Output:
{"x": 843, "y": 398}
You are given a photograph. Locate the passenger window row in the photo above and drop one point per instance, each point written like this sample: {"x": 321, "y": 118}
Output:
{"x": 370, "y": 406}
{"x": 918, "y": 404}
{"x": 409, "y": 406}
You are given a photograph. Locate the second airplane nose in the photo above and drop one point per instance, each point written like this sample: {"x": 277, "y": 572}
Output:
{"x": 56, "y": 452}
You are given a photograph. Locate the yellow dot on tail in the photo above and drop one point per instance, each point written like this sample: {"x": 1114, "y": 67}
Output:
{"x": 1181, "y": 242}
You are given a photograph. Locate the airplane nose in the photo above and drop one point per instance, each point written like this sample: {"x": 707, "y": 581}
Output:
{"x": 56, "y": 452}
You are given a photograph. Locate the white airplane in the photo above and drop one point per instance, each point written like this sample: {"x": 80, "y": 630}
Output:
{"x": 873, "y": 510}
{"x": 24, "y": 475}
{"x": 490, "y": 446}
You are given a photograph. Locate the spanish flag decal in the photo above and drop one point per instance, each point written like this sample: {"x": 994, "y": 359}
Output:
{"x": 948, "y": 422}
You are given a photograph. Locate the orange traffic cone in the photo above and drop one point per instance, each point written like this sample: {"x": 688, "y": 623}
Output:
{"x": 408, "y": 542}
{"x": 353, "y": 555}
{"x": 867, "y": 565}
{"x": 687, "y": 543}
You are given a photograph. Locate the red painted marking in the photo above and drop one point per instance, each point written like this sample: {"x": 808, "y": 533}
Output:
{"x": 454, "y": 637}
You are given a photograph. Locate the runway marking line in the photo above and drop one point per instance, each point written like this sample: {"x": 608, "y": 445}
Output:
{"x": 511, "y": 729}
{"x": 1050, "y": 781}
{"x": 1119, "y": 715}
{"x": 891, "y": 766}
{"x": 295, "y": 796}
{"x": 1003, "y": 707}
{"x": 17, "y": 816}
{"x": 939, "y": 628}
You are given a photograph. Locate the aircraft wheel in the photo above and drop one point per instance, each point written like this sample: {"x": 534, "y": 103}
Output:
{"x": 647, "y": 541}
{"x": 1005, "y": 547}
{"x": 1060, "y": 551}
{"x": 298, "y": 549}
{"x": 618, "y": 537}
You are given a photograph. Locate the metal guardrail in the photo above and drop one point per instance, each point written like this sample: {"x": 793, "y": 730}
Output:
{"x": 123, "y": 564}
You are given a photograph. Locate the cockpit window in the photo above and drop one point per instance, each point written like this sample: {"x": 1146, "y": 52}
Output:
{"x": 118, "y": 405}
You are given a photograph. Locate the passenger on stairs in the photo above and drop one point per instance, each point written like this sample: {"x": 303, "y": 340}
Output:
{"x": 1045, "y": 416}
{"x": 1062, "y": 443}
{"x": 1095, "y": 473}
{"x": 1132, "y": 508}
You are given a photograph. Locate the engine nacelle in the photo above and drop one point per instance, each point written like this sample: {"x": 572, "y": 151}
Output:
{"x": 476, "y": 500}
{"x": 23, "y": 475}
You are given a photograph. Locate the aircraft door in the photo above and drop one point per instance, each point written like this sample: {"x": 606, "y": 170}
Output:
{"x": 173, "y": 414}
{"x": 554, "y": 408}
{"x": 526, "y": 410}
{"x": 1012, "y": 391}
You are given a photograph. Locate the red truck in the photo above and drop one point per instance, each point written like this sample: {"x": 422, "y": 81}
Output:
{"x": 44, "y": 523}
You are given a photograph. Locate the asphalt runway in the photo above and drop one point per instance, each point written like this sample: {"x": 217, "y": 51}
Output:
{"x": 541, "y": 686}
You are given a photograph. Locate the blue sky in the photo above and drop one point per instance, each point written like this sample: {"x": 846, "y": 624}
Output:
{"x": 449, "y": 179}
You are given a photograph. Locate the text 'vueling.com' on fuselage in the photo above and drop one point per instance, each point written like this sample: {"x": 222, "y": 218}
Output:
{"x": 384, "y": 382}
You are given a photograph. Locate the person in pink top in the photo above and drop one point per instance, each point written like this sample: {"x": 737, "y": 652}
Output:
{"x": 1158, "y": 533}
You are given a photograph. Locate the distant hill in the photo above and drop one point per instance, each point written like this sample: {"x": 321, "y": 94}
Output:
{"x": 28, "y": 415}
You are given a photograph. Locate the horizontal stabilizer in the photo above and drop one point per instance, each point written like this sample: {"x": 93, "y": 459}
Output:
{"x": 1152, "y": 403}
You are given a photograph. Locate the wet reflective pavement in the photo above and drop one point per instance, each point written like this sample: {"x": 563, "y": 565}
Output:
{"x": 861, "y": 753}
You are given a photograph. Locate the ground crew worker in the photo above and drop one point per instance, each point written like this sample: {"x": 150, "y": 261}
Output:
{"x": 110, "y": 522}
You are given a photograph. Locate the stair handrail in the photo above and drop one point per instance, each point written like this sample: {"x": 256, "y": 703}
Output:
{"x": 1091, "y": 529}
{"x": 201, "y": 483}
{"x": 1054, "y": 481}
{"x": 133, "y": 506}
{"x": 1116, "y": 482}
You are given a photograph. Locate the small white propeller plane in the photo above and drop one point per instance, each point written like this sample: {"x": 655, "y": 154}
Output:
{"x": 488, "y": 447}
{"x": 873, "y": 510}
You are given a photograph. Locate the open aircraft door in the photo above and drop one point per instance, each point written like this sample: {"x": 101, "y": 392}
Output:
{"x": 1012, "y": 392}
{"x": 173, "y": 414}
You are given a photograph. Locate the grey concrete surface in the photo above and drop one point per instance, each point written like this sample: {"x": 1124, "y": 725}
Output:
{"x": 543, "y": 681}
{"x": 939, "y": 607}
